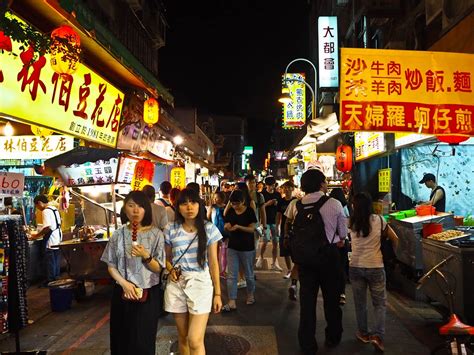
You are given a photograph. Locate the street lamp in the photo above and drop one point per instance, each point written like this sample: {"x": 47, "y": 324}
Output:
{"x": 285, "y": 98}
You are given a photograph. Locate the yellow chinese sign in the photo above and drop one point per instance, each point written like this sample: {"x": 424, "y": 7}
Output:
{"x": 178, "y": 178}
{"x": 385, "y": 180}
{"x": 33, "y": 147}
{"x": 368, "y": 144}
{"x": 84, "y": 105}
{"x": 294, "y": 112}
{"x": 406, "y": 91}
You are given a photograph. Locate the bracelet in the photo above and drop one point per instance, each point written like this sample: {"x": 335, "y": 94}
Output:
{"x": 147, "y": 260}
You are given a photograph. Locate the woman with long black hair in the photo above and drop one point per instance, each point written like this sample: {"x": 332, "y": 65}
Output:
{"x": 135, "y": 255}
{"x": 366, "y": 268}
{"x": 191, "y": 250}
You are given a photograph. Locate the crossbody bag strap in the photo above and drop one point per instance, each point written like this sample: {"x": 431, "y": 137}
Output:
{"x": 187, "y": 248}
{"x": 124, "y": 252}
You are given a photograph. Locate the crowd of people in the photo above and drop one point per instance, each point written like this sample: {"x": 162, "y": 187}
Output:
{"x": 174, "y": 252}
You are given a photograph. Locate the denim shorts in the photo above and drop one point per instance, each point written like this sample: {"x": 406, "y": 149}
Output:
{"x": 271, "y": 233}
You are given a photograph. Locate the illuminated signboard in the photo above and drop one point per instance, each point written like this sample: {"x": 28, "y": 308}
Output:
{"x": 126, "y": 169}
{"x": 385, "y": 180}
{"x": 12, "y": 184}
{"x": 83, "y": 105}
{"x": 407, "y": 91}
{"x": 34, "y": 147}
{"x": 248, "y": 149}
{"x": 101, "y": 172}
{"x": 404, "y": 139}
{"x": 294, "y": 112}
{"x": 368, "y": 144}
{"x": 328, "y": 52}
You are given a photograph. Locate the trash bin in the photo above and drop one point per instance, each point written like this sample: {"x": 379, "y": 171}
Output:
{"x": 61, "y": 293}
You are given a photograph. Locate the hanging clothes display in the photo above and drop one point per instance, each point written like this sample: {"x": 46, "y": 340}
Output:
{"x": 13, "y": 274}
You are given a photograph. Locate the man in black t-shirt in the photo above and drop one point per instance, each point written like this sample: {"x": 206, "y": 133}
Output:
{"x": 272, "y": 199}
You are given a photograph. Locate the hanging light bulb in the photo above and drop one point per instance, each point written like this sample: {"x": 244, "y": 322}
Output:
{"x": 8, "y": 130}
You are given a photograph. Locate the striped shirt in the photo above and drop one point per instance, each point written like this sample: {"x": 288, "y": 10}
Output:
{"x": 335, "y": 222}
{"x": 179, "y": 239}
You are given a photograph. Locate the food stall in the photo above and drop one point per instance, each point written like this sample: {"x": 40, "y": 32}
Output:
{"x": 459, "y": 270}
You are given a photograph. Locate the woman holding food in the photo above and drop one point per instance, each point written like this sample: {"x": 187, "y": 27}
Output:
{"x": 135, "y": 255}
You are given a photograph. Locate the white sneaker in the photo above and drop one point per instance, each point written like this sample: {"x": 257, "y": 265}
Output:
{"x": 287, "y": 276}
{"x": 242, "y": 284}
{"x": 259, "y": 263}
{"x": 276, "y": 267}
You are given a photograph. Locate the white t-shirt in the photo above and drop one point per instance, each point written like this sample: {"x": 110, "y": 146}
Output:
{"x": 49, "y": 221}
{"x": 366, "y": 250}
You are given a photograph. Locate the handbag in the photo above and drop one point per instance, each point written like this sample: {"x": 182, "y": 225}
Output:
{"x": 386, "y": 246}
{"x": 164, "y": 274}
{"x": 143, "y": 291}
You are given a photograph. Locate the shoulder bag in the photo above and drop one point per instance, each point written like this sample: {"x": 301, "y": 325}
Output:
{"x": 386, "y": 245}
{"x": 164, "y": 272}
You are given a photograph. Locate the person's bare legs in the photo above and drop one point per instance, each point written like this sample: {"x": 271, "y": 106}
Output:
{"x": 288, "y": 263}
{"x": 196, "y": 332}
{"x": 182, "y": 321}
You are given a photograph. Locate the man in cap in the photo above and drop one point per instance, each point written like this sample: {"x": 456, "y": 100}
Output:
{"x": 437, "y": 196}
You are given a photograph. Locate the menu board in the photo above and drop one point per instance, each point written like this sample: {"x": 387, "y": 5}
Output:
{"x": 101, "y": 172}
{"x": 368, "y": 144}
{"x": 126, "y": 169}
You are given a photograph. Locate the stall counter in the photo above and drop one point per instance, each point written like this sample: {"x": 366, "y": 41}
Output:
{"x": 409, "y": 232}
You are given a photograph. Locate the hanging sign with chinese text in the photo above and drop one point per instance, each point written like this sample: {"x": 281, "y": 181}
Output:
{"x": 33, "y": 147}
{"x": 368, "y": 144}
{"x": 12, "y": 184}
{"x": 178, "y": 177}
{"x": 406, "y": 91}
{"x": 294, "y": 112}
{"x": 100, "y": 172}
{"x": 126, "y": 169}
{"x": 83, "y": 105}
{"x": 328, "y": 52}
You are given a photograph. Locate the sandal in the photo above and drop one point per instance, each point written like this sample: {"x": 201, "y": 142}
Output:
{"x": 226, "y": 308}
{"x": 250, "y": 301}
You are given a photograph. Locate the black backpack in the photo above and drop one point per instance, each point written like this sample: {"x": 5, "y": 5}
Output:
{"x": 308, "y": 236}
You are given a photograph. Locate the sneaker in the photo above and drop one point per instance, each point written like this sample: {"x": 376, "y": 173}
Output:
{"x": 377, "y": 343}
{"x": 342, "y": 299}
{"x": 365, "y": 338}
{"x": 287, "y": 276}
{"x": 292, "y": 293}
{"x": 259, "y": 263}
{"x": 276, "y": 267}
{"x": 242, "y": 284}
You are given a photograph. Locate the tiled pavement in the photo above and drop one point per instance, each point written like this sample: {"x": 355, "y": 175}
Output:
{"x": 268, "y": 327}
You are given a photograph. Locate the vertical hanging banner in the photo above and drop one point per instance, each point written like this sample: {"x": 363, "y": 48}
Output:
{"x": 407, "y": 91}
{"x": 294, "y": 112}
{"x": 328, "y": 49}
{"x": 178, "y": 178}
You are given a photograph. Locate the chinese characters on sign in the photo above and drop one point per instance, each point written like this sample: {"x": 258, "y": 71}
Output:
{"x": 328, "y": 52}
{"x": 84, "y": 105}
{"x": 385, "y": 180}
{"x": 100, "y": 172}
{"x": 12, "y": 184}
{"x": 407, "y": 91}
{"x": 126, "y": 169}
{"x": 34, "y": 147}
{"x": 294, "y": 112}
{"x": 368, "y": 144}
{"x": 178, "y": 177}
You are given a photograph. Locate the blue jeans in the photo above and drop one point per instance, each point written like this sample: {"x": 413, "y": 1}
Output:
{"x": 234, "y": 259}
{"x": 374, "y": 279}
{"x": 53, "y": 263}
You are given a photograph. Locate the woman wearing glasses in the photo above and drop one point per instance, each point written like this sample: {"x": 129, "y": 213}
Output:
{"x": 240, "y": 223}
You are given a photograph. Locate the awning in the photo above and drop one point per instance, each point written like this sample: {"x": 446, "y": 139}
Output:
{"x": 81, "y": 155}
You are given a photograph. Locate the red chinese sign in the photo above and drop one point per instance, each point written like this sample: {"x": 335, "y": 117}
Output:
{"x": 407, "y": 91}
{"x": 84, "y": 105}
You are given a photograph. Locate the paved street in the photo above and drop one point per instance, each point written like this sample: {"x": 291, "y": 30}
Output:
{"x": 268, "y": 327}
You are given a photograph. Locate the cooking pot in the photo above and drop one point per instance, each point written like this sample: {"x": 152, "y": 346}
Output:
{"x": 431, "y": 228}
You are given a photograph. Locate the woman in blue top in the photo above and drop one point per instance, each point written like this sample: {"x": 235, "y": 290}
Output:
{"x": 135, "y": 266}
{"x": 191, "y": 250}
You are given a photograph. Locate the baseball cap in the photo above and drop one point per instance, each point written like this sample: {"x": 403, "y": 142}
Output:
{"x": 428, "y": 177}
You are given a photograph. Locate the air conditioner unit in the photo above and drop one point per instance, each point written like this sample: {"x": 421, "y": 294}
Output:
{"x": 433, "y": 9}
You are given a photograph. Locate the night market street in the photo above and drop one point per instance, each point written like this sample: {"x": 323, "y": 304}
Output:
{"x": 267, "y": 327}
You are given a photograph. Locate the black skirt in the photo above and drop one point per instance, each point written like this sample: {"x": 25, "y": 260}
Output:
{"x": 133, "y": 325}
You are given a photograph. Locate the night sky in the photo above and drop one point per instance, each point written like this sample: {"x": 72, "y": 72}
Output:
{"x": 227, "y": 57}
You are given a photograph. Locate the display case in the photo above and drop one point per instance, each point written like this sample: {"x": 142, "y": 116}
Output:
{"x": 409, "y": 232}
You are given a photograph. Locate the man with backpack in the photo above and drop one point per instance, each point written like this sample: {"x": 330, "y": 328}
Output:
{"x": 318, "y": 221}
